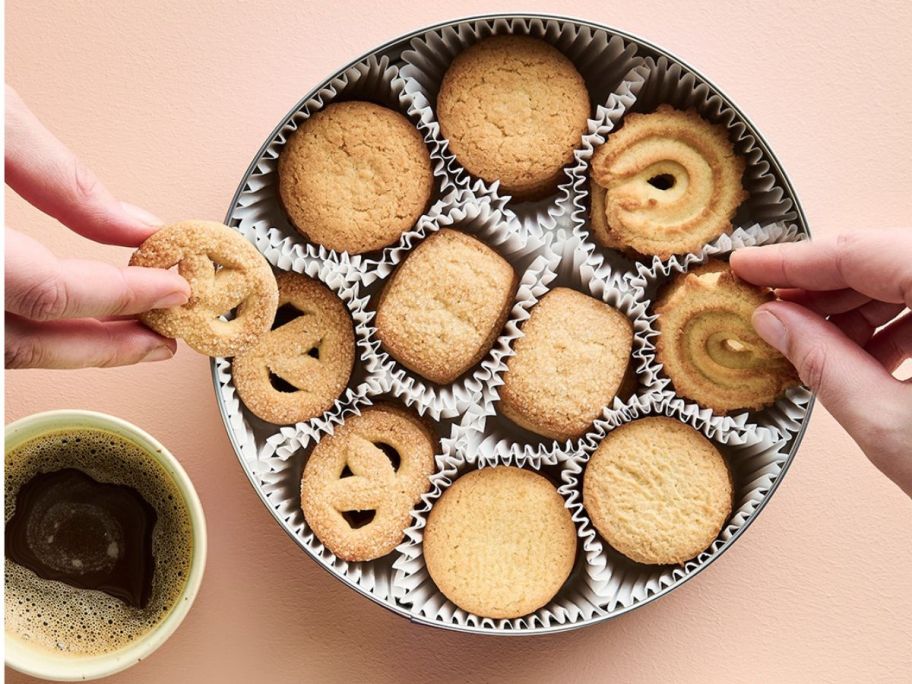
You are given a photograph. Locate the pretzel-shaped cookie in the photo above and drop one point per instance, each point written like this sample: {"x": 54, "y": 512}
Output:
{"x": 225, "y": 272}
{"x": 350, "y": 475}
{"x": 297, "y": 370}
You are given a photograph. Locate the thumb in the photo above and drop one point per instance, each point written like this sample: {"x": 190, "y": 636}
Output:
{"x": 853, "y": 386}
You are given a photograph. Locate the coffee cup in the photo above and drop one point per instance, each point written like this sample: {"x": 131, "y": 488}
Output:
{"x": 67, "y": 631}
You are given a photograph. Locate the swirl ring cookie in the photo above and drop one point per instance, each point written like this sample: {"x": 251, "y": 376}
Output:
{"x": 500, "y": 542}
{"x": 657, "y": 490}
{"x": 708, "y": 346}
{"x": 671, "y": 183}
{"x": 513, "y": 109}
{"x": 355, "y": 176}
{"x": 298, "y": 369}
{"x": 361, "y": 482}
{"x": 225, "y": 273}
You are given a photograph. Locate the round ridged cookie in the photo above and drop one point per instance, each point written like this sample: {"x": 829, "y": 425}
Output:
{"x": 513, "y": 109}
{"x": 667, "y": 182}
{"x": 226, "y": 273}
{"x": 568, "y": 365}
{"x": 355, "y": 176}
{"x": 657, "y": 490}
{"x": 708, "y": 346}
{"x": 298, "y": 369}
{"x": 361, "y": 483}
{"x": 499, "y": 542}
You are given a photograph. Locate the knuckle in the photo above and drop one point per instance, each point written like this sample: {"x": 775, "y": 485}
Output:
{"x": 21, "y": 352}
{"x": 85, "y": 183}
{"x": 45, "y": 300}
{"x": 811, "y": 364}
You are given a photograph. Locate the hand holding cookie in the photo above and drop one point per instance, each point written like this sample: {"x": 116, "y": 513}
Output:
{"x": 70, "y": 313}
{"x": 846, "y": 327}
{"x": 226, "y": 274}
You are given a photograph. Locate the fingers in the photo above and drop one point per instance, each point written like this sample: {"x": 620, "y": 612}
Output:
{"x": 874, "y": 263}
{"x": 852, "y": 384}
{"x": 893, "y": 345}
{"x": 46, "y": 174}
{"x": 826, "y": 302}
{"x": 82, "y": 343}
{"x": 860, "y": 324}
{"x": 41, "y": 287}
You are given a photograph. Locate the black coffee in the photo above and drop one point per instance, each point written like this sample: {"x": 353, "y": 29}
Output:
{"x": 99, "y": 542}
{"x": 91, "y": 535}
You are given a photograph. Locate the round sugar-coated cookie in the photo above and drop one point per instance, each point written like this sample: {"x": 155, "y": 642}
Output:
{"x": 355, "y": 176}
{"x": 444, "y": 306}
{"x": 299, "y": 368}
{"x": 226, "y": 273}
{"x": 568, "y": 365}
{"x": 361, "y": 483}
{"x": 657, "y": 490}
{"x": 708, "y": 346}
{"x": 513, "y": 109}
{"x": 500, "y": 543}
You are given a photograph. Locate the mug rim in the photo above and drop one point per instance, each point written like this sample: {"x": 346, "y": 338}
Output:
{"x": 47, "y": 665}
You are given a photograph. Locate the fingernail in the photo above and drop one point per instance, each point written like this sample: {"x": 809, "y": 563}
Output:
{"x": 176, "y": 298}
{"x": 141, "y": 215}
{"x": 158, "y": 354}
{"x": 770, "y": 329}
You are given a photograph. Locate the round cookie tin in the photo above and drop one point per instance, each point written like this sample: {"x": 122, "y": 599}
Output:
{"x": 548, "y": 243}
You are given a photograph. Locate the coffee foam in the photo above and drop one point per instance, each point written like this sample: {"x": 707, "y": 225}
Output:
{"x": 64, "y": 619}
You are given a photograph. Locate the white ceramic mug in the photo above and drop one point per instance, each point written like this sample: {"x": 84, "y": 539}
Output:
{"x": 40, "y": 662}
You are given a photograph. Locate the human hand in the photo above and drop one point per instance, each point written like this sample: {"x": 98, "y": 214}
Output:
{"x": 72, "y": 313}
{"x": 845, "y": 327}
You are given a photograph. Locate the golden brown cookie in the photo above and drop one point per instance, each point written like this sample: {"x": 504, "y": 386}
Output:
{"x": 513, "y": 109}
{"x": 298, "y": 369}
{"x": 568, "y": 365}
{"x": 672, "y": 183}
{"x": 657, "y": 490}
{"x": 443, "y": 308}
{"x": 361, "y": 483}
{"x": 500, "y": 542}
{"x": 355, "y": 176}
{"x": 708, "y": 346}
{"x": 225, "y": 273}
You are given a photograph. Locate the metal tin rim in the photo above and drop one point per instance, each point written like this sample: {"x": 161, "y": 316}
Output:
{"x": 401, "y": 42}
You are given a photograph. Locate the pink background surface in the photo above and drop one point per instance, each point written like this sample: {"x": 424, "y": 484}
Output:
{"x": 168, "y": 102}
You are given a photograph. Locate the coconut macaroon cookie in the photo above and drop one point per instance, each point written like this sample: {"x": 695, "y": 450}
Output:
{"x": 657, "y": 490}
{"x": 513, "y": 109}
{"x": 361, "y": 482}
{"x": 444, "y": 306}
{"x": 355, "y": 176}
{"x": 499, "y": 542}
{"x": 298, "y": 369}
{"x": 568, "y": 365}
{"x": 708, "y": 346}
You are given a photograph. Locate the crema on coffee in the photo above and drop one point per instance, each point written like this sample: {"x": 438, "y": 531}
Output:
{"x": 100, "y": 549}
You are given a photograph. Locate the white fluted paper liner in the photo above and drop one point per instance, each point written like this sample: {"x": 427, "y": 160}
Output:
{"x": 258, "y": 439}
{"x": 756, "y": 459}
{"x": 671, "y": 83}
{"x": 604, "y": 61}
{"x": 576, "y": 269}
{"x": 485, "y": 219}
{"x": 415, "y": 590}
{"x": 258, "y": 208}
{"x": 787, "y": 413}
{"x": 280, "y": 483}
